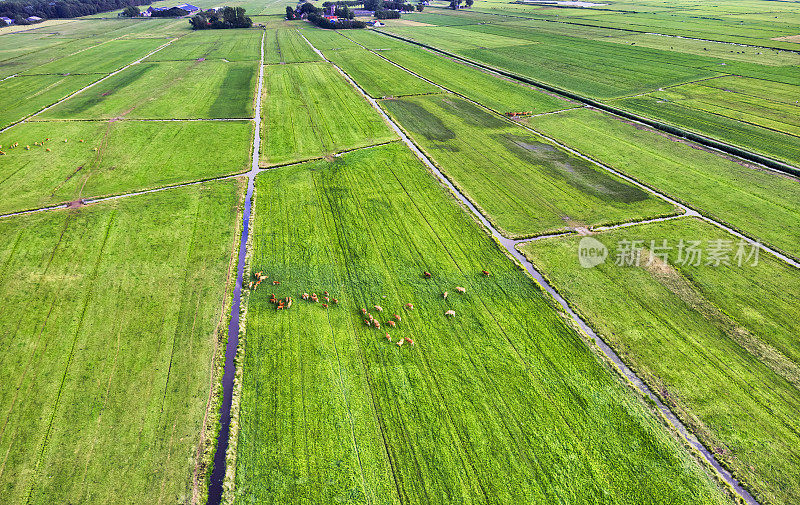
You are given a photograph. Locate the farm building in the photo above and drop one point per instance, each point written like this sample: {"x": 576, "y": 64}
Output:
{"x": 188, "y": 7}
{"x": 4, "y": 21}
{"x": 376, "y": 24}
{"x": 363, "y": 13}
{"x": 34, "y": 19}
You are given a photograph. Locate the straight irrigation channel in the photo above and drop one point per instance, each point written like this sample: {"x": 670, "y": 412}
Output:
{"x": 608, "y": 352}
{"x": 219, "y": 469}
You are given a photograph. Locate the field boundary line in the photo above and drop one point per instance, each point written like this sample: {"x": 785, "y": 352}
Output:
{"x": 115, "y": 72}
{"x": 635, "y": 381}
{"x": 90, "y": 201}
{"x": 335, "y": 154}
{"x": 117, "y": 119}
{"x": 688, "y": 211}
{"x": 730, "y": 149}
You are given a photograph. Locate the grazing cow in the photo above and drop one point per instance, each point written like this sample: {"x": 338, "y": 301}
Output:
{"x": 324, "y": 305}
{"x": 364, "y": 311}
{"x": 367, "y": 322}
{"x": 371, "y": 317}
{"x": 450, "y": 313}
{"x": 305, "y": 296}
{"x": 336, "y": 301}
{"x": 398, "y": 318}
{"x": 327, "y": 299}
{"x": 377, "y": 324}
{"x": 258, "y": 274}
{"x": 250, "y": 286}
{"x": 400, "y": 342}
{"x": 444, "y": 295}
{"x": 485, "y": 273}
{"x": 427, "y": 274}
{"x": 391, "y": 323}
{"x": 325, "y": 293}
{"x": 460, "y": 289}
{"x": 288, "y": 302}
{"x": 314, "y": 297}
{"x": 408, "y": 339}
{"x": 388, "y": 337}
{"x": 276, "y": 283}
{"x": 410, "y": 306}
{"x": 379, "y": 308}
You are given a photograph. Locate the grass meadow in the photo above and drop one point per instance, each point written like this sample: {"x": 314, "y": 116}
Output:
{"x": 525, "y": 185}
{"x": 110, "y": 317}
{"x": 758, "y": 202}
{"x": 167, "y": 90}
{"x": 285, "y": 45}
{"x": 115, "y": 157}
{"x": 310, "y": 110}
{"x": 241, "y": 45}
{"x": 718, "y": 344}
{"x": 497, "y": 93}
{"x": 100, "y": 59}
{"x": 503, "y": 403}
{"x": 22, "y": 96}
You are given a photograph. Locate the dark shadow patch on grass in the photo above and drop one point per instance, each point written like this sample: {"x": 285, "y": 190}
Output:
{"x": 229, "y": 101}
{"x": 578, "y": 172}
{"x": 418, "y": 120}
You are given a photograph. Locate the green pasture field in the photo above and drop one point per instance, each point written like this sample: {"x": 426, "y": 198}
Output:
{"x": 285, "y": 45}
{"x": 758, "y": 55}
{"x": 130, "y": 156}
{"x": 504, "y": 403}
{"x": 23, "y": 95}
{"x": 780, "y": 116}
{"x": 758, "y": 88}
{"x": 111, "y": 314}
{"x": 324, "y": 40}
{"x": 492, "y": 91}
{"x": 718, "y": 344}
{"x": 456, "y": 39}
{"x": 749, "y": 136}
{"x": 525, "y": 185}
{"x": 760, "y": 203}
{"x": 102, "y": 58}
{"x": 21, "y": 57}
{"x": 168, "y": 90}
{"x": 231, "y": 45}
{"x": 310, "y": 110}
{"x": 376, "y": 76}
{"x": 592, "y": 68}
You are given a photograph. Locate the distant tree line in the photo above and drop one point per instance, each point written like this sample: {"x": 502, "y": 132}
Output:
{"x": 456, "y": 4}
{"x": 174, "y": 12}
{"x": 226, "y": 17}
{"x": 48, "y": 9}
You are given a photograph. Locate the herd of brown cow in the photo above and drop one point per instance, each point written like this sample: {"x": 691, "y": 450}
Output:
{"x": 369, "y": 319}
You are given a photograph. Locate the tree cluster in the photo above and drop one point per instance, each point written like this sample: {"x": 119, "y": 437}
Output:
{"x": 130, "y": 11}
{"x": 48, "y": 9}
{"x": 398, "y": 6}
{"x": 456, "y": 4}
{"x": 226, "y": 17}
{"x": 343, "y": 12}
{"x": 342, "y": 24}
{"x": 384, "y": 14}
{"x": 174, "y": 12}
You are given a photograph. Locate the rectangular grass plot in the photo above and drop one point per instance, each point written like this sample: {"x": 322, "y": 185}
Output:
{"x": 102, "y": 58}
{"x": 231, "y": 45}
{"x": 169, "y": 90}
{"x": 114, "y": 157}
{"x": 525, "y": 185}
{"x": 309, "y": 110}
{"x": 334, "y": 412}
